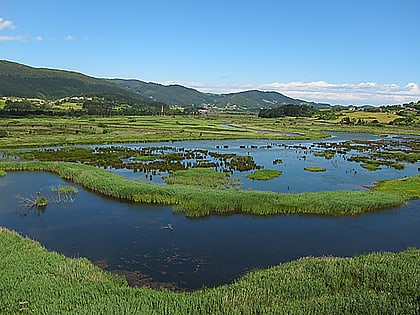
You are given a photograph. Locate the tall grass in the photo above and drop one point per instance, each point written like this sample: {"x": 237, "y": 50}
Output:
{"x": 196, "y": 201}
{"x": 35, "y": 281}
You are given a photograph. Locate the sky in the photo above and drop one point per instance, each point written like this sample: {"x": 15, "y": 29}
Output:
{"x": 339, "y": 52}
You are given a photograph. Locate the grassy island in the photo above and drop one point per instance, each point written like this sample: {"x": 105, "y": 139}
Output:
{"x": 315, "y": 169}
{"x": 35, "y": 281}
{"x": 264, "y": 174}
{"x": 197, "y": 201}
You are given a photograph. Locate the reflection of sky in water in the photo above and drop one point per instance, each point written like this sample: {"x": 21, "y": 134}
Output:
{"x": 340, "y": 174}
{"x": 132, "y": 238}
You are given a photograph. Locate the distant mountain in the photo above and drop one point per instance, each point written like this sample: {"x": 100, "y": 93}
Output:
{"x": 180, "y": 95}
{"x": 24, "y": 81}
{"x": 171, "y": 95}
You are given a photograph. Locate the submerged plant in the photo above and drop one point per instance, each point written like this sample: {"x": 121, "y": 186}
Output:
{"x": 64, "y": 193}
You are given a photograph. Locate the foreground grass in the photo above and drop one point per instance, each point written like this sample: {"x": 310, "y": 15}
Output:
{"x": 195, "y": 201}
{"x": 35, "y": 281}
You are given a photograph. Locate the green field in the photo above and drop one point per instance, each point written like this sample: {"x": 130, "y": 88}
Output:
{"x": 48, "y": 131}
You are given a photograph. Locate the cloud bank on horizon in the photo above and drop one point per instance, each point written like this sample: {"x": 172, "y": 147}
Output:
{"x": 364, "y": 93}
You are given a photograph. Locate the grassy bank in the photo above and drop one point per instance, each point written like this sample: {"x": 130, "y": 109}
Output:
{"x": 195, "y": 201}
{"x": 35, "y": 281}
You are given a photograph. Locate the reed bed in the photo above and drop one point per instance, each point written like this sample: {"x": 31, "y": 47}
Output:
{"x": 35, "y": 281}
{"x": 196, "y": 201}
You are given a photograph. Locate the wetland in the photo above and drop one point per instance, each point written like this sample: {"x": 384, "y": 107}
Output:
{"x": 158, "y": 246}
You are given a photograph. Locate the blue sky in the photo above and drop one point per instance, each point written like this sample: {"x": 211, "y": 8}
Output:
{"x": 346, "y": 52}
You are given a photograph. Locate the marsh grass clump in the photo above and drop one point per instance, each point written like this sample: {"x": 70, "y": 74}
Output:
{"x": 264, "y": 174}
{"x": 200, "y": 177}
{"x": 2, "y": 173}
{"x": 371, "y": 166}
{"x": 64, "y": 193}
{"x": 409, "y": 187}
{"x": 315, "y": 169}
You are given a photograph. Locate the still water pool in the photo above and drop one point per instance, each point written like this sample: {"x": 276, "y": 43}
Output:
{"x": 134, "y": 240}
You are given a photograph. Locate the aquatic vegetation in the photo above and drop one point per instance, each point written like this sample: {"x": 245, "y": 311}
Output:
{"x": 327, "y": 154}
{"x": 314, "y": 169}
{"x": 146, "y": 159}
{"x": 2, "y": 173}
{"x": 371, "y": 166}
{"x": 384, "y": 282}
{"x": 37, "y": 202}
{"x": 201, "y": 177}
{"x": 197, "y": 202}
{"x": 64, "y": 193}
{"x": 264, "y": 174}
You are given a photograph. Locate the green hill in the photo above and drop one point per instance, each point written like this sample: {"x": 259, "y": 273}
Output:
{"x": 183, "y": 96}
{"x": 24, "y": 81}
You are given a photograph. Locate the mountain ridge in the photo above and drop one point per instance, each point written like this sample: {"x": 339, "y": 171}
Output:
{"x": 180, "y": 95}
{"x": 25, "y": 81}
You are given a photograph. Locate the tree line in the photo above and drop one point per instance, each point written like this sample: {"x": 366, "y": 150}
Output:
{"x": 288, "y": 110}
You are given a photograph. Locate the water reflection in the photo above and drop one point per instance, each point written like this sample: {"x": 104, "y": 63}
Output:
{"x": 131, "y": 239}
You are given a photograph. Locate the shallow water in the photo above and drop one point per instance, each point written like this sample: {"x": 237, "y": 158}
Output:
{"x": 132, "y": 239}
{"x": 340, "y": 174}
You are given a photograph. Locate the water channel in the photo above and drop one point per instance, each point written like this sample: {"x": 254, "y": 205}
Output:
{"x": 134, "y": 239}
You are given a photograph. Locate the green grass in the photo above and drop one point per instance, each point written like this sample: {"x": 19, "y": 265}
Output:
{"x": 35, "y": 281}
{"x": 409, "y": 187}
{"x": 315, "y": 169}
{"x": 195, "y": 202}
{"x": 200, "y": 177}
{"x": 2, "y": 173}
{"x": 52, "y": 131}
{"x": 144, "y": 158}
{"x": 264, "y": 174}
{"x": 371, "y": 166}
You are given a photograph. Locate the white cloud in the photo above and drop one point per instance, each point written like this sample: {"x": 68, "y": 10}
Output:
{"x": 321, "y": 91}
{"x": 20, "y": 38}
{"x": 69, "y": 37}
{"x": 6, "y": 24}
{"x": 38, "y": 38}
